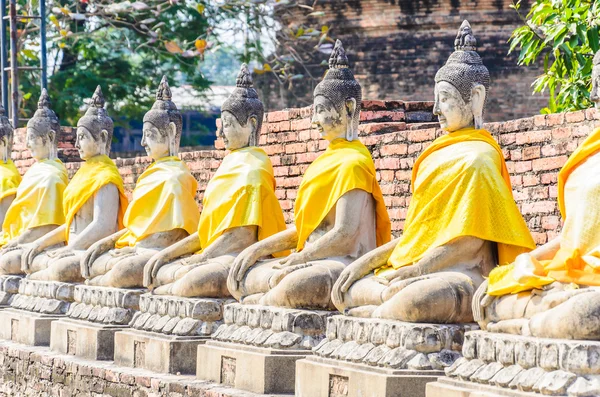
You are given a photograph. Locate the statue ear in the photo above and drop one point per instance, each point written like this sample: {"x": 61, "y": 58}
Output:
{"x": 350, "y": 127}
{"x": 253, "y": 138}
{"x": 173, "y": 146}
{"x": 52, "y": 135}
{"x": 477, "y": 102}
{"x": 104, "y": 140}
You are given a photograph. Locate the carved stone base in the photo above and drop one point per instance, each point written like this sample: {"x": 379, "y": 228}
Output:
{"x": 26, "y": 327}
{"x": 514, "y": 365}
{"x": 9, "y": 287}
{"x": 156, "y": 352}
{"x": 105, "y": 305}
{"x": 321, "y": 377}
{"x": 375, "y": 357}
{"x": 258, "y": 346}
{"x": 449, "y": 387}
{"x": 255, "y": 369}
{"x": 83, "y": 338}
{"x": 47, "y": 297}
{"x": 171, "y": 315}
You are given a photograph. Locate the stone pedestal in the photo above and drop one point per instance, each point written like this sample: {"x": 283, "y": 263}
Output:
{"x": 9, "y": 288}
{"x": 496, "y": 365}
{"x": 378, "y": 358}
{"x": 33, "y": 309}
{"x": 167, "y": 331}
{"x": 258, "y": 346}
{"x": 88, "y": 330}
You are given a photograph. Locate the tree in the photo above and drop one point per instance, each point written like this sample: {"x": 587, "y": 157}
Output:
{"x": 127, "y": 46}
{"x": 563, "y": 34}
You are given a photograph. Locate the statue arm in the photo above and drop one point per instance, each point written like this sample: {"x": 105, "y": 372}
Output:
{"x": 232, "y": 241}
{"x": 547, "y": 251}
{"x": 106, "y": 212}
{"x": 98, "y": 248}
{"x": 448, "y": 255}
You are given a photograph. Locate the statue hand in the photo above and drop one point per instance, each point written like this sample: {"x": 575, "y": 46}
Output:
{"x": 349, "y": 276}
{"x": 152, "y": 267}
{"x": 90, "y": 257}
{"x": 61, "y": 253}
{"x": 242, "y": 263}
{"x": 30, "y": 251}
{"x": 402, "y": 273}
{"x": 13, "y": 245}
{"x": 297, "y": 258}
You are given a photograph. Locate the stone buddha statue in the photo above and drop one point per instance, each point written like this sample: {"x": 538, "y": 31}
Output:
{"x": 162, "y": 212}
{"x": 38, "y": 206}
{"x": 461, "y": 221}
{"x": 552, "y": 292}
{"x": 9, "y": 175}
{"x": 94, "y": 203}
{"x": 239, "y": 207}
{"x": 339, "y": 212}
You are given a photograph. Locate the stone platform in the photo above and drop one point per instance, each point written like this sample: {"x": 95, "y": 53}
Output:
{"x": 375, "y": 357}
{"x": 33, "y": 309}
{"x": 258, "y": 346}
{"x": 167, "y": 331}
{"x": 9, "y": 287}
{"x": 88, "y": 330}
{"x": 512, "y": 365}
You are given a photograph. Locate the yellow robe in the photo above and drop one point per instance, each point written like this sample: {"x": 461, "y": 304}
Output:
{"x": 345, "y": 165}
{"x": 9, "y": 179}
{"x": 39, "y": 200}
{"x": 461, "y": 187}
{"x": 241, "y": 193}
{"x": 578, "y": 259}
{"x": 163, "y": 200}
{"x": 91, "y": 176}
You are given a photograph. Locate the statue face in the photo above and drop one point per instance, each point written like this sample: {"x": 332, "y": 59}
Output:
{"x": 37, "y": 145}
{"x": 235, "y": 135}
{"x": 329, "y": 121}
{"x": 86, "y": 144}
{"x": 452, "y": 111}
{"x": 595, "y": 93}
{"x": 154, "y": 141}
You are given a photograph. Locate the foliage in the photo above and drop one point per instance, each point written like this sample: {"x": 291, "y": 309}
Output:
{"x": 126, "y": 46}
{"x": 563, "y": 34}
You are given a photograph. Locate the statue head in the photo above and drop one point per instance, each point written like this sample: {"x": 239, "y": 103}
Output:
{"x": 162, "y": 125}
{"x": 461, "y": 85}
{"x": 6, "y": 136}
{"x": 337, "y": 99}
{"x": 94, "y": 129}
{"x": 595, "y": 93}
{"x": 242, "y": 113}
{"x": 43, "y": 130}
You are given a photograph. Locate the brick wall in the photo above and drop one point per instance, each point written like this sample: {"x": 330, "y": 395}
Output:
{"x": 395, "y": 47}
{"x": 396, "y": 133}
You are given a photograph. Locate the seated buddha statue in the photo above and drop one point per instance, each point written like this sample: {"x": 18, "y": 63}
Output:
{"x": 239, "y": 207}
{"x": 461, "y": 219}
{"x": 9, "y": 175}
{"x": 93, "y": 203}
{"x": 553, "y": 291}
{"x": 38, "y": 206}
{"x": 339, "y": 211}
{"x": 162, "y": 211}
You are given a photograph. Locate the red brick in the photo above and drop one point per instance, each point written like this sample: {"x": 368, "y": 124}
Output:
{"x": 278, "y": 116}
{"x": 522, "y": 166}
{"x": 575, "y": 117}
{"x": 561, "y": 133}
{"x": 398, "y": 149}
{"x": 531, "y": 152}
{"x": 530, "y": 180}
{"x": 388, "y": 163}
{"x": 549, "y": 163}
{"x": 555, "y": 119}
{"x": 301, "y": 124}
{"x": 549, "y": 178}
{"x": 533, "y": 137}
{"x": 421, "y": 135}
{"x": 539, "y": 120}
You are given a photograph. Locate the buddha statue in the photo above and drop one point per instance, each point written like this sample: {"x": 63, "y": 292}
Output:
{"x": 38, "y": 206}
{"x": 461, "y": 220}
{"x": 239, "y": 207}
{"x": 339, "y": 211}
{"x": 162, "y": 212}
{"x": 94, "y": 203}
{"x": 9, "y": 175}
{"x": 552, "y": 291}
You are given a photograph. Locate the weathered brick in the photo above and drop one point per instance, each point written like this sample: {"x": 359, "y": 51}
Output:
{"x": 549, "y": 163}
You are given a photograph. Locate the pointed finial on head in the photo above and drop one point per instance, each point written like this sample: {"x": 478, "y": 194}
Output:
{"x": 44, "y": 101}
{"x": 465, "y": 41}
{"x": 244, "y": 78}
{"x": 98, "y": 98}
{"x": 338, "y": 58}
{"x": 164, "y": 91}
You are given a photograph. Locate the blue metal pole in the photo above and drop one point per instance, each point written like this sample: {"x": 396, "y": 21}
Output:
{"x": 4, "y": 54}
{"x": 44, "y": 59}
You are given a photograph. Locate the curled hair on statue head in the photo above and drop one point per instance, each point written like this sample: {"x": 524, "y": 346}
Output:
{"x": 243, "y": 103}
